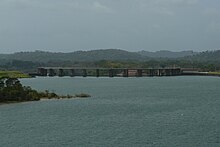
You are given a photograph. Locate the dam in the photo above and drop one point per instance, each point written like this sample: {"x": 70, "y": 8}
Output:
{"x": 107, "y": 72}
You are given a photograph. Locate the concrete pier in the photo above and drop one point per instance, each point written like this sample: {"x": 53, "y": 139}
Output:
{"x": 139, "y": 73}
{"x": 125, "y": 72}
{"x": 111, "y": 73}
{"x": 168, "y": 72}
{"x": 84, "y": 72}
{"x": 151, "y": 72}
{"x": 72, "y": 72}
{"x": 61, "y": 73}
{"x": 51, "y": 73}
{"x": 97, "y": 72}
{"x": 159, "y": 72}
{"x": 42, "y": 71}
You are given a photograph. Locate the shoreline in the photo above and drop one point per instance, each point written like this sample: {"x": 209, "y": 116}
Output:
{"x": 42, "y": 99}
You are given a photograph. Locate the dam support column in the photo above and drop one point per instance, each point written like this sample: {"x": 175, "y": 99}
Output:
{"x": 151, "y": 73}
{"x": 139, "y": 72}
{"x": 111, "y": 73}
{"x": 174, "y": 72}
{"x": 72, "y": 73}
{"x": 167, "y": 72}
{"x": 51, "y": 72}
{"x": 160, "y": 72}
{"x": 84, "y": 72}
{"x": 125, "y": 72}
{"x": 42, "y": 72}
{"x": 180, "y": 71}
{"x": 177, "y": 71}
{"x": 61, "y": 73}
{"x": 97, "y": 73}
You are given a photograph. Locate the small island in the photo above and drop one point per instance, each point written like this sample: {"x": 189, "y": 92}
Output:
{"x": 11, "y": 90}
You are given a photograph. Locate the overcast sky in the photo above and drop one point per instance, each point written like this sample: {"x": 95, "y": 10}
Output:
{"x": 70, "y": 25}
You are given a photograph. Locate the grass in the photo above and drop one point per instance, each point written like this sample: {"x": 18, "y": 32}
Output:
{"x": 214, "y": 73}
{"x": 13, "y": 74}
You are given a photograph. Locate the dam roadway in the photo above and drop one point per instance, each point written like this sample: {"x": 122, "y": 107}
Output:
{"x": 107, "y": 72}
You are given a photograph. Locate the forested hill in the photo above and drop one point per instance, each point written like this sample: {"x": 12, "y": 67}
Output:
{"x": 29, "y": 61}
{"x": 206, "y": 56}
{"x": 79, "y": 56}
{"x": 167, "y": 54}
{"x": 94, "y": 55}
{"x": 110, "y": 54}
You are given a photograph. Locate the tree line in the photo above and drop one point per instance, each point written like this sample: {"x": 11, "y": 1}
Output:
{"x": 29, "y": 61}
{"x": 12, "y": 90}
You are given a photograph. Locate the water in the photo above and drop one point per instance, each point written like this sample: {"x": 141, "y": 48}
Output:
{"x": 157, "y": 111}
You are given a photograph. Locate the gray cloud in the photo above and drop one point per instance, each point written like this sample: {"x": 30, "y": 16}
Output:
{"x": 70, "y": 25}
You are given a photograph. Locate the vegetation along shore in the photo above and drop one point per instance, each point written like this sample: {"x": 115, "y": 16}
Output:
{"x": 12, "y": 74}
{"x": 11, "y": 90}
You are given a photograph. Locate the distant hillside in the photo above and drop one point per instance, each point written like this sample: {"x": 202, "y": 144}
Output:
{"x": 206, "y": 56}
{"x": 94, "y": 55}
{"x": 109, "y": 54}
{"x": 79, "y": 56}
{"x": 29, "y": 61}
{"x": 167, "y": 54}
{"x": 4, "y": 56}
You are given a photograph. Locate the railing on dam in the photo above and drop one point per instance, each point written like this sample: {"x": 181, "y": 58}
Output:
{"x": 110, "y": 72}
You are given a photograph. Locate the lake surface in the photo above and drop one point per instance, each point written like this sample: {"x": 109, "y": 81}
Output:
{"x": 127, "y": 112}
